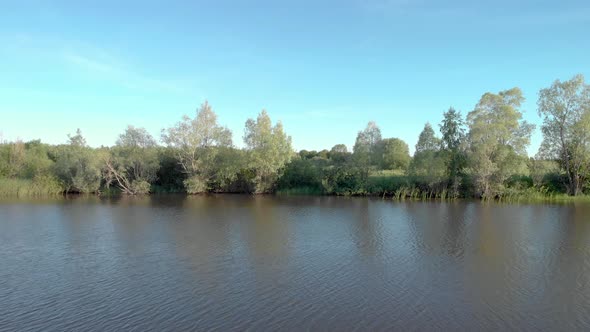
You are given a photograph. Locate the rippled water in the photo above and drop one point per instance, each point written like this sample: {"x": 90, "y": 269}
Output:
{"x": 177, "y": 263}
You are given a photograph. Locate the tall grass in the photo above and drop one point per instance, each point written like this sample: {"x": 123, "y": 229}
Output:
{"x": 542, "y": 195}
{"x": 40, "y": 186}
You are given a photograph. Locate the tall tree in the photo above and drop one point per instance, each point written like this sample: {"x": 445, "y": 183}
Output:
{"x": 498, "y": 139}
{"x": 565, "y": 108}
{"x": 452, "y": 129}
{"x": 196, "y": 142}
{"x": 269, "y": 150}
{"x": 366, "y": 147}
{"x": 427, "y": 141}
{"x": 427, "y": 161}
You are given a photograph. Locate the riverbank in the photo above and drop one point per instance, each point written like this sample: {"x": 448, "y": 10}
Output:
{"x": 41, "y": 188}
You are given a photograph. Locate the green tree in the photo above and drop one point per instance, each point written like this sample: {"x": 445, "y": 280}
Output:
{"x": 302, "y": 174}
{"x": 16, "y": 158}
{"x": 230, "y": 163}
{"x": 427, "y": 141}
{"x": 78, "y": 139}
{"x": 565, "y": 108}
{"x": 540, "y": 169}
{"x": 498, "y": 139}
{"x": 339, "y": 148}
{"x": 196, "y": 142}
{"x": 132, "y": 164}
{"x": 339, "y": 154}
{"x": 269, "y": 150}
{"x": 37, "y": 162}
{"x": 395, "y": 154}
{"x": 428, "y": 161}
{"x": 77, "y": 166}
{"x": 366, "y": 147}
{"x": 452, "y": 129}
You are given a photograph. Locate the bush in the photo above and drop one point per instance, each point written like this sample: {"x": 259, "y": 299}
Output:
{"x": 301, "y": 173}
{"x": 141, "y": 187}
{"x": 195, "y": 185}
{"x": 345, "y": 180}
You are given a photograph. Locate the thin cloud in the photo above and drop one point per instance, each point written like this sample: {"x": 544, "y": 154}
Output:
{"x": 90, "y": 64}
{"x": 107, "y": 67}
{"x": 93, "y": 61}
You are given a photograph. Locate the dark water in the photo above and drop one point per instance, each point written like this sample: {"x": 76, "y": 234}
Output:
{"x": 269, "y": 263}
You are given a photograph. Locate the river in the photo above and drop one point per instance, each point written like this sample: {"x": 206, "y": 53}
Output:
{"x": 237, "y": 262}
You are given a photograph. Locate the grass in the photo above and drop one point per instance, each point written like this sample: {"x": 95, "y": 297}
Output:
{"x": 42, "y": 186}
{"x": 398, "y": 186}
{"x": 532, "y": 195}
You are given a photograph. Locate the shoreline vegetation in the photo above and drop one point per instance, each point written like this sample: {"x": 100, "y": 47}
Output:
{"x": 478, "y": 155}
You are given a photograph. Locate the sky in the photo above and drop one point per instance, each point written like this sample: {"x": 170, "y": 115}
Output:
{"x": 322, "y": 68}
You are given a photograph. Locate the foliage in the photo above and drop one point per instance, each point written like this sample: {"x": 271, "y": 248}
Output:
{"x": 453, "y": 146}
{"x": 195, "y": 142}
{"x": 344, "y": 180}
{"x": 269, "y": 150}
{"x": 366, "y": 147}
{"x": 39, "y": 186}
{"x": 132, "y": 164}
{"x": 428, "y": 162}
{"x": 77, "y": 166}
{"x": 427, "y": 141}
{"x": 565, "y": 108}
{"x": 339, "y": 154}
{"x": 302, "y": 173}
{"x": 488, "y": 161}
{"x": 498, "y": 138}
{"x": 395, "y": 154}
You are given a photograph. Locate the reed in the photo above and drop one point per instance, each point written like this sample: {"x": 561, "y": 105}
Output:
{"x": 39, "y": 186}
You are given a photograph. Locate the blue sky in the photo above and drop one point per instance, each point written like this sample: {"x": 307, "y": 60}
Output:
{"x": 324, "y": 68}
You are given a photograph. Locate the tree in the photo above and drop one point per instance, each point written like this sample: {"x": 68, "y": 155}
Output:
{"x": 136, "y": 138}
{"x": 269, "y": 150}
{"x": 77, "y": 166}
{"x": 339, "y": 148}
{"x": 540, "y": 169}
{"x": 427, "y": 161}
{"x": 498, "y": 139}
{"x": 37, "y": 162}
{"x": 196, "y": 143}
{"x": 395, "y": 154}
{"x": 366, "y": 146}
{"x": 427, "y": 141}
{"x": 16, "y": 158}
{"x": 12, "y": 159}
{"x": 339, "y": 153}
{"x": 565, "y": 108}
{"x": 132, "y": 163}
{"x": 77, "y": 140}
{"x": 452, "y": 129}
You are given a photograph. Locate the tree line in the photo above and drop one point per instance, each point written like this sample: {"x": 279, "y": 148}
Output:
{"x": 480, "y": 154}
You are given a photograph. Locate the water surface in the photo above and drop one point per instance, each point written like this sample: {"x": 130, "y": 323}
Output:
{"x": 231, "y": 262}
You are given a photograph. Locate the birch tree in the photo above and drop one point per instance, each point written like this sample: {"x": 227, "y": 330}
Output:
{"x": 565, "y": 108}
{"x": 269, "y": 149}
{"x": 196, "y": 142}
